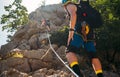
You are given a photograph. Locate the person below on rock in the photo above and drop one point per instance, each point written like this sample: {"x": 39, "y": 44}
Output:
{"x": 46, "y": 23}
{"x": 77, "y": 39}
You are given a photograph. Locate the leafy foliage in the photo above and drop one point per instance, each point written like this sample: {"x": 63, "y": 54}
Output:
{"x": 108, "y": 12}
{"x": 108, "y": 36}
{"x": 17, "y": 16}
{"x": 110, "y": 31}
{"x": 60, "y": 37}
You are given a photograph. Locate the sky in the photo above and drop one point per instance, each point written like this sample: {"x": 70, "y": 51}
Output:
{"x": 31, "y": 5}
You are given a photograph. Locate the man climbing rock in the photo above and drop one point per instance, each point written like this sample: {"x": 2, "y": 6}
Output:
{"x": 80, "y": 34}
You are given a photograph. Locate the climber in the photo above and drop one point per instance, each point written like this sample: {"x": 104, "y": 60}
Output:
{"x": 46, "y": 23}
{"x": 80, "y": 34}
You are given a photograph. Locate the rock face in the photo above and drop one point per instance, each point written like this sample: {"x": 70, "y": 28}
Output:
{"x": 40, "y": 63}
{"x": 54, "y": 13}
{"x": 43, "y": 60}
{"x": 33, "y": 35}
{"x": 31, "y": 60}
{"x": 39, "y": 73}
{"x": 24, "y": 38}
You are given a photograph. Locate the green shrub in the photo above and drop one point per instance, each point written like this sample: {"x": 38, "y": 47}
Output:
{"x": 60, "y": 37}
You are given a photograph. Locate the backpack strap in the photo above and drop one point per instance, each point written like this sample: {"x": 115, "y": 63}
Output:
{"x": 68, "y": 14}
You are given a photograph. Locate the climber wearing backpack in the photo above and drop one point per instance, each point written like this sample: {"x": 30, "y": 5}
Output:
{"x": 83, "y": 18}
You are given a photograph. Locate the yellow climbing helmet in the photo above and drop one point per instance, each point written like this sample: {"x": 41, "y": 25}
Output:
{"x": 65, "y": 2}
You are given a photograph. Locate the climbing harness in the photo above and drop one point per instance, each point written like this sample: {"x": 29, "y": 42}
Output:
{"x": 59, "y": 56}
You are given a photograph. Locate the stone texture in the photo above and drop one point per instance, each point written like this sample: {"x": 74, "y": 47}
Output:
{"x": 32, "y": 35}
{"x": 31, "y": 65}
{"x": 38, "y": 59}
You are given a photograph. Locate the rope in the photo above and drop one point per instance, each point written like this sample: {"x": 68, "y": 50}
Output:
{"x": 45, "y": 53}
{"x": 59, "y": 56}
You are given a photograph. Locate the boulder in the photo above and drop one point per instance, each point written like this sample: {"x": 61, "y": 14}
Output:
{"x": 13, "y": 73}
{"x": 17, "y": 63}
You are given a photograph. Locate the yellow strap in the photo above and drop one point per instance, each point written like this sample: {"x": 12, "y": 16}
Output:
{"x": 87, "y": 29}
{"x": 73, "y": 63}
{"x": 18, "y": 55}
{"x": 98, "y": 71}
